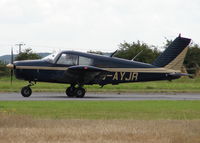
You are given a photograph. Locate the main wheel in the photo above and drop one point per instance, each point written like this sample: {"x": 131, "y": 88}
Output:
{"x": 70, "y": 91}
{"x": 79, "y": 92}
{"x": 26, "y": 91}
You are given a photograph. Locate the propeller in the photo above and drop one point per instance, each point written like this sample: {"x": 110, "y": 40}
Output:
{"x": 12, "y": 71}
{"x": 11, "y": 66}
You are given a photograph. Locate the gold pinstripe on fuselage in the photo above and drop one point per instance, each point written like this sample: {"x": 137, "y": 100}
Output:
{"x": 143, "y": 70}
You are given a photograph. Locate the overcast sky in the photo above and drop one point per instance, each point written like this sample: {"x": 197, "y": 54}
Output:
{"x": 51, "y": 25}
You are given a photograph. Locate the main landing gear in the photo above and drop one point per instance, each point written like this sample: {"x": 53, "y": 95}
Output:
{"x": 78, "y": 92}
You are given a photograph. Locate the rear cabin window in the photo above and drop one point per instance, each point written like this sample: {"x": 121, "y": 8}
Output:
{"x": 85, "y": 61}
{"x": 68, "y": 59}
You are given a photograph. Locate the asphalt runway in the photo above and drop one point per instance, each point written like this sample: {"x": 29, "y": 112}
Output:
{"x": 45, "y": 96}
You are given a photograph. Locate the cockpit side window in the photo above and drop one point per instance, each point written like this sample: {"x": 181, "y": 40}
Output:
{"x": 85, "y": 61}
{"x": 68, "y": 59}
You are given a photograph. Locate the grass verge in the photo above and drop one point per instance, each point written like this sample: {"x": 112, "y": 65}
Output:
{"x": 100, "y": 121}
{"x": 106, "y": 110}
{"x": 180, "y": 85}
{"x": 18, "y": 129}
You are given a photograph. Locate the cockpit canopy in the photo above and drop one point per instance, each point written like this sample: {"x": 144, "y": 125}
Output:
{"x": 72, "y": 58}
{"x": 65, "y": 58}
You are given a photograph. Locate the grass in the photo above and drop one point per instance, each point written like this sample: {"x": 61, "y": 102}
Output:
{"x": 19, "y": 129}
{"x": 104, "y": 110}
{"x": 100, "y": 121}
{"x": 180, "y": 85}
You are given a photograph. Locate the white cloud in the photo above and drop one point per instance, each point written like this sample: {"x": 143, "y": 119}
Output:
{"x": 93, "y": 24}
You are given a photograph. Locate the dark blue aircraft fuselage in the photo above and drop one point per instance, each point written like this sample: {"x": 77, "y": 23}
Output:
{"x": 79, "y": 69}
{"x": 117, "y": 70}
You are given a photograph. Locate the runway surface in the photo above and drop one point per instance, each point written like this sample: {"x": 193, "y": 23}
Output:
{"x": 44, "y": 96}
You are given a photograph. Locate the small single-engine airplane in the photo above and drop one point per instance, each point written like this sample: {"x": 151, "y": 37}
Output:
{"x": 79, "y": 69}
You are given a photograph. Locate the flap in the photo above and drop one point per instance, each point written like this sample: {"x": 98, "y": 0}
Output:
{"x": 86, "y": 74}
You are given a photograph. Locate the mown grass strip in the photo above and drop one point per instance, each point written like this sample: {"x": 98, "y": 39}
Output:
{"x": 139, "y": 110}
{"x": 180, "y": 85}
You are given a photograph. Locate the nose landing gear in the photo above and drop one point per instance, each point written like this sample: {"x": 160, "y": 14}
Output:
{"x": 26, "y": 90}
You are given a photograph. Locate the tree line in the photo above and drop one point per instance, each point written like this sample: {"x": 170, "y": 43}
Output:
{"x": 142, "y": 52}
{"x": 138, "y": 51}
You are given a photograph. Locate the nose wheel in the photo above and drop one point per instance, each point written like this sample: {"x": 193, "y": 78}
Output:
{"x": 75, "y": 92}
{"x": 26, "y": 91}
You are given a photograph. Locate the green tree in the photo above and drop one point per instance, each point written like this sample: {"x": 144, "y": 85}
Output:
{"x": 130, "y": 50}
{"x": 27, "y": 54}
{"x": 4, "y": 71}
{"x": 192, "y": 61}
{"x": 167, "y": 43}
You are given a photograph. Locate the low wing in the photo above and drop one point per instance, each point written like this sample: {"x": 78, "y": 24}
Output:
{"x": 86, "y": 74}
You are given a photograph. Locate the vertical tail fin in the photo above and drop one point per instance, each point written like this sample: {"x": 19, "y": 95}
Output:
{"x": 173, "y": 56}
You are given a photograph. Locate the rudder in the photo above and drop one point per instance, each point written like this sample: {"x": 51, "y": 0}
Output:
{"x": 174, "y": 55}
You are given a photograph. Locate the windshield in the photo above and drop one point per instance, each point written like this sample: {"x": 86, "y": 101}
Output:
{"x": 50, "y": 58}
{"x": 68, "y": 59}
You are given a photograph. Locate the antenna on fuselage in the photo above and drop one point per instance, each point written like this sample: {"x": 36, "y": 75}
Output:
{"x": 137, "y": 55}
{"x": 113, "y": 53}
